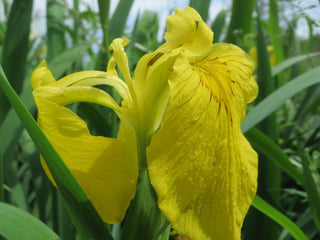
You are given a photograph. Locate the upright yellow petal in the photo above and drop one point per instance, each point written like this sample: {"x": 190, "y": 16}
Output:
{"x": 187, "y": 28}
{"x": 202, "y": 168}
{"x": 152, "y": 87}
{"x": 186, "y": 32}
{"x": 41, "y": 76}
{"x": 120, "y": 57}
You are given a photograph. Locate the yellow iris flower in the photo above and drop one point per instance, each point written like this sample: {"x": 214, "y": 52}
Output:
{"x": 183, "y": 108}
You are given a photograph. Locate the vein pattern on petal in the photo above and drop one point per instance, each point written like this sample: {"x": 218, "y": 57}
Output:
{"x": 104, "y": 167}
{"x": 201, "y": 166}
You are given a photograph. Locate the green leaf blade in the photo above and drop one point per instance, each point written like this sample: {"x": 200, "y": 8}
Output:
{"x": 83, "y": 213}
{"x": 278, "y": 98}
{"x": 278, "y": 217}
{"x": 274, "y": 153}
{"x": 311, "y": 188}
{"x": 18, "y": 224}
{"x": 15, "y": 48}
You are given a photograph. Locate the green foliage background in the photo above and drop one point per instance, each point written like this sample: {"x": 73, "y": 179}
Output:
{"x": 282, "y": 124}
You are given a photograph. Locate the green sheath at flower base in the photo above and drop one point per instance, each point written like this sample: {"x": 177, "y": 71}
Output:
{"x": 185, "y": 102}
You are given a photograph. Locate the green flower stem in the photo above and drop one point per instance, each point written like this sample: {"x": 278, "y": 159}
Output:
{"x": 141, "y": 152}
{"x": 144, "y": 220}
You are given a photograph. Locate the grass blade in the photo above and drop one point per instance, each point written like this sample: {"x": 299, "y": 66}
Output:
{"x": 82, "y": 212}
{"x": 311, "y": 188}
{"x": 266, "y": 82}
{"x": 1, "y": 178}
{"x": 218, "y": 24}
{"x": 278, "y": 98}
{"x": 269, "y": 173}
{"x": 55, "y": 26}
{"x": 104, "y": 6}
{"x": 15, "y": 48}
{"x": 278, "y": 217}
{"x": 241, "y": 19}
{"x": 274, "y": 153}
{"x": 274, "y": 30}
{"x": 305, "y": 223}
{"x": 119, "y": 18}
{"x": 291, "y": 61}
{"x": 202, "y": 7}
{"x": 62, "y": 62}
{"x": 103, "y": 57}
{"x": 18, "y": 224}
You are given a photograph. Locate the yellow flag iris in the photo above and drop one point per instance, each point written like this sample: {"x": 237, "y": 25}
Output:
{"x": 183, "y": 107}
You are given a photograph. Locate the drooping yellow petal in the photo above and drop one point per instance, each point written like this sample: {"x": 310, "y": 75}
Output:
{"x": 76, "y": 87}
{"x": 202, "y": 168}
{"x": 187, "y": 28}
{"x": 42, "y": 76}
{"x": 68, "y": 95}
{"x": 103, "y": 166}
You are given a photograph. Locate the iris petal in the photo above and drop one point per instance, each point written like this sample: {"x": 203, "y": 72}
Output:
{"x": 41, "y": 76}
{"x": 202, "y": 168}
{"x": 152, "y": 88}
{"x": 104, "y": 167}
{"x": 187, "y": 28}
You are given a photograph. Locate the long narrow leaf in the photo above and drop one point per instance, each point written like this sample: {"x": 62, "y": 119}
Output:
{"x": 18, "y": 224}
{"x": 119, "y": 18}
{"x": 275, "y": 31}
{"x": 312, "y": 190}
{"x": 218, "y": 24}
{"x": 274, "y": 153}
{"x": 1, "y": 178}
{"x": 241, "y": 20}
{"x": 202, "y": 7}
{"x": 84, "y": 215}
{"x": 103, "y": 57}
{"x": 266, "y": 82}
{"x": 291, "y": 61}
{"x": 55, "y": 29}
{"x": 15, "y": 48}
{"x": 104, "y": 6}
{"x": 62, "y": 62}
{"x": 278, "y": 98}
{"x": 269, "y": 173}
{"x": 278, "y": 217}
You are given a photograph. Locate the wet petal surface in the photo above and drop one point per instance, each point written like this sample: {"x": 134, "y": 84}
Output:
{"x": 201, "y": 166}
